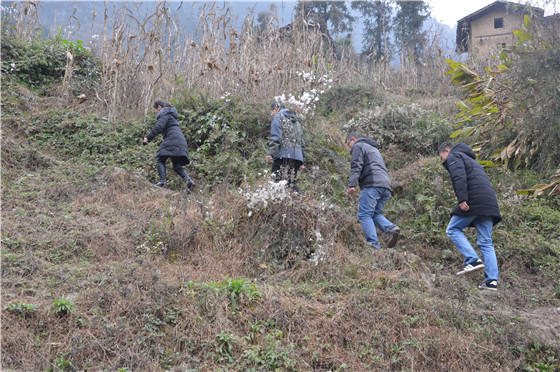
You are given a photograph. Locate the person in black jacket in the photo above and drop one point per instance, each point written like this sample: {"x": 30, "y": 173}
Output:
{"x": 477, "y": 207}
{"x": 368, "y": 170}
{"x": 174, "y": 144}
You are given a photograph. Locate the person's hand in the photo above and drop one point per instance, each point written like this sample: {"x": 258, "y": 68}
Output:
{"x": 268, "y": 159}
{"x": 351, "y": 190}
{"x": 464, "y": 206}
{"x": 302, "y": 167}
{"x": 145, "y": 140}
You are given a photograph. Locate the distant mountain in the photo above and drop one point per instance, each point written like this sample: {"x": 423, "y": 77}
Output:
{"x": 445, "y": 34}
{"x": 74, "y": 18}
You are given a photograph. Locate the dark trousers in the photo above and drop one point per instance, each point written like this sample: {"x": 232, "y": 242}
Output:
{"x": 176, "y": 167}
{"x": 286, "y": 169}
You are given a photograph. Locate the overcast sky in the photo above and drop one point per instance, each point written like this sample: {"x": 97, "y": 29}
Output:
{"x": 450, "y": 11}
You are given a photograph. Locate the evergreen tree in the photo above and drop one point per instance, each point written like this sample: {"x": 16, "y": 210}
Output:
{"x": 265, "y": 19}
{"x": 346, "y": 43}
{"x": 377, "y": 27}
{"x": 408, "y": 22}
{"x": 332, "y": 16}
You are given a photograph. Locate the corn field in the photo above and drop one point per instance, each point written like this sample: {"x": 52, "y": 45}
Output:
{"x": 153, "y": 56}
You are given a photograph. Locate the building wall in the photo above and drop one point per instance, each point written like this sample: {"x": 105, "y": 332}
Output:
{"x": 485, "y": 38}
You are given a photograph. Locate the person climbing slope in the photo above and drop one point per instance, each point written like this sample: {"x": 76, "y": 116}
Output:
{"x": 174, "y": 144}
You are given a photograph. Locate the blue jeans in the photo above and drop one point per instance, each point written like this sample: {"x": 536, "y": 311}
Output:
{"x": 370, "y": 206}
{"x": 483, "y": 227}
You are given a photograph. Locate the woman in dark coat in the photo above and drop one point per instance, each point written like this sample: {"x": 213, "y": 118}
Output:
{"x": 174, "y": 144}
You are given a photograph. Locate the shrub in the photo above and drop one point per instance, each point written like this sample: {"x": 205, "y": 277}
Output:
{"x": 408, "y": 126}
{"x": 425, "y": 188}
{"x": 41, "y": 62}
{"x": 513, "y": 109}
{"x": 223, "y": 135}
{"x": 346, "y": 100}
{"x": 284, "y": 227}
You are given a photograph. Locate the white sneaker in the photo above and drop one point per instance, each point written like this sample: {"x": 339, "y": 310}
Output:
{"x": 472, "y": 267}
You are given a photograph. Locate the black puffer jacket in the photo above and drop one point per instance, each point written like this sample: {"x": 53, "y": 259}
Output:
{"x": 174, "y": 143}
{"x": 471, "y": 184}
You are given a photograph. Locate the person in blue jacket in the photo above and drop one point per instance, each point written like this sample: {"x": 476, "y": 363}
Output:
{"x": 477, "y": 207}
{"x": 286, "y": 147}
{"x": 174, "y": 144}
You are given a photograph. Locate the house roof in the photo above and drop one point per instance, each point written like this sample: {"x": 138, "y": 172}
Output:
{"x": 508, "y": 4}
{"x": 463, "y": 25}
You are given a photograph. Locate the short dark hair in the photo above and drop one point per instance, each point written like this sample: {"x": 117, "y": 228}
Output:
{"x": 277, "y": 105}
{"x": 161, "y": 103}
{"x": 356, "y": 135}
{"x": 444, "y": 146}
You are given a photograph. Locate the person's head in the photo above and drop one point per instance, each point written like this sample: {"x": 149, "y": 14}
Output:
{"x": 276, "y": 106}
{"x": 352, "y": 137}
{"x": 444, "y": 150}
{"x": 158, "y": 105}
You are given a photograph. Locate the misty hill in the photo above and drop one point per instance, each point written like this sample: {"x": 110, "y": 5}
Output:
{"x": 74, "y": 18}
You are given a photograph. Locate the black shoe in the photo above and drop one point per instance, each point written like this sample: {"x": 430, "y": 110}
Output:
{"x": 190, "y": 183}
{"x": 161, "y": 184}
{"x": 472, "y": 267}
{"x": 492, "y": 285}
{"x": 393, "y": 235}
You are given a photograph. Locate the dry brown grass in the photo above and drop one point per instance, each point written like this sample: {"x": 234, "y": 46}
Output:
{"x": 366, "y": 310}
{"x": 92, "y": 235}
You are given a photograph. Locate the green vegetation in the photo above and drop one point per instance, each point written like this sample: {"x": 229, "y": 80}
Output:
{"x": 63, "y": 306}
{"x": 406, "y": 126}
{"x": 220, "y": 133}
{"x": 234, "y": 289}
{"x": 271, "y": 356}
{"x": 505, "y": 109}
{"x": 61, "y": 364}
{"x": 21, "y": 309}
{"x": 41, "y": 62}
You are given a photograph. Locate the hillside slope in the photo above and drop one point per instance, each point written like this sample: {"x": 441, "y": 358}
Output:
{"x": 103, "y": 271}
